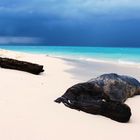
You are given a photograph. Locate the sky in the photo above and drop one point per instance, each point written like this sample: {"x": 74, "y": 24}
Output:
{"x": 70, "y": 22}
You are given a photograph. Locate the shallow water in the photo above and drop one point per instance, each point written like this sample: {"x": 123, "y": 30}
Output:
{"x": 119, "y": 55}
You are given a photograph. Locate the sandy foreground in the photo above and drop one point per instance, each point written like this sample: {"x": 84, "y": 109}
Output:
{"x": 28, "y": 110}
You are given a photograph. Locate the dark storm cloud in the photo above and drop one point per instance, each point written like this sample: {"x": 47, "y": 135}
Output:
{"x": 70, "y": 22}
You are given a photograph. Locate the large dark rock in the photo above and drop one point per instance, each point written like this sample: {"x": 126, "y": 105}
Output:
{"x": 104, "y": 95}
{"x": 21, "y": 65}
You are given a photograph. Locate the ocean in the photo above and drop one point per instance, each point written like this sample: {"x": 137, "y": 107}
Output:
{"x": 119, "y": 55}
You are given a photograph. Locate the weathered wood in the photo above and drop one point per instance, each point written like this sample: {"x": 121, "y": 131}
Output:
{"x": 21, "y": 65}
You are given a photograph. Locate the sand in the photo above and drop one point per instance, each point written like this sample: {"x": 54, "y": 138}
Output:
{"x": 28, "y": 110}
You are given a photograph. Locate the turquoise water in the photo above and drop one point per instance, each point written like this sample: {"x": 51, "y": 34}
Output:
{"x": 119, "y": 55}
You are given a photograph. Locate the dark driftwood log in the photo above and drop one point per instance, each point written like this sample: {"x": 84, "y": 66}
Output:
{"x": 104, "y": 95}
{"x": 21, "y": 65}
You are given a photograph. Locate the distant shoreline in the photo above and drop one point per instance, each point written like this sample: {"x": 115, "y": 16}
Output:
{"x": 99, "y": 46}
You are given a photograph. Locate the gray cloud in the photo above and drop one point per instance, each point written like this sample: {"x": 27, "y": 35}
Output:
{"x": 73, "y": 8}
{"x": 19, "y": 40}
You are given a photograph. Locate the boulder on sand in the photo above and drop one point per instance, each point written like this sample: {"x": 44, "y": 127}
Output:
{"x": 104, "y": 95}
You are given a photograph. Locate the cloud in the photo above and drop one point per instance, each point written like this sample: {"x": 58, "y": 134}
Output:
{"x": 73, "y": 8}
{"x": 70, "y": 22}
{"x": 19, "y": 40}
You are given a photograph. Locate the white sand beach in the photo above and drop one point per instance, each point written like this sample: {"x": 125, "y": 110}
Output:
{"x": 28, "y": 110}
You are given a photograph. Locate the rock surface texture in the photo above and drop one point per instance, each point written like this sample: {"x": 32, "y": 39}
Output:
{"x": 104, "y": 95}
